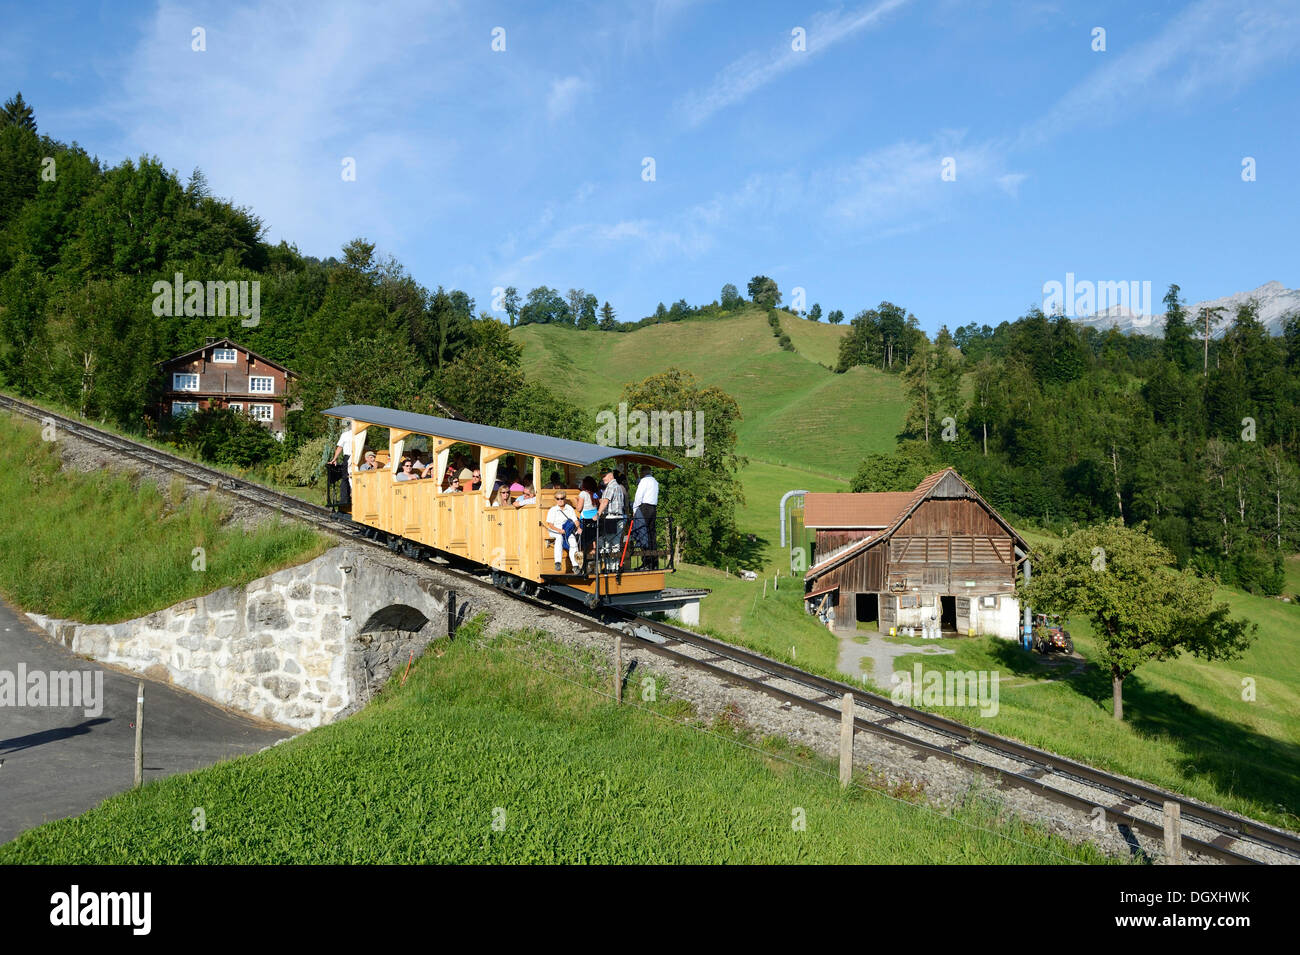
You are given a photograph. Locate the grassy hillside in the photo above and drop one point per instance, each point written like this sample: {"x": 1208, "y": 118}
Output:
{"x": 483, "y": 734}
{"x": 103, "y": 547}
{"x": 796, "y": 412}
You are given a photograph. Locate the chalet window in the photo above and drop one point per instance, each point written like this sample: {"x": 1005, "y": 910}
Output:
{"x": 261, "y": 386}
{"x": 181, "y": 408}
{"x": 226, "y": 355}
{"x": 261, "y": 412}
{"x": 185, "y": 382}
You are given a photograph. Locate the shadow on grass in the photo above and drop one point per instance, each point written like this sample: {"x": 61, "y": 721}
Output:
{"x": 1232, "y": 756}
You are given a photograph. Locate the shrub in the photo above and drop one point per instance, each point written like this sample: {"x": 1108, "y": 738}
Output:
{"x": 305, "y": 465}
{"x": 227, "y": 438}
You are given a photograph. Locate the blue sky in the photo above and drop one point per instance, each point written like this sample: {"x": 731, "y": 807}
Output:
{"x": 821, "y": 167}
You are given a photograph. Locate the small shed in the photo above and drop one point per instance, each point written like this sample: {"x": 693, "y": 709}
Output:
{"x": 937, "y": 555}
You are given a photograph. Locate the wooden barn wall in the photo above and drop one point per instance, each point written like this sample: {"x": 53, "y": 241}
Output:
{"x": 861, "y": 574}
{"x": 950, "y": 518}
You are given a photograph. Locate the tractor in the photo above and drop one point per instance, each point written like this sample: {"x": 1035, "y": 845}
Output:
{"x": 1050, "y": 635}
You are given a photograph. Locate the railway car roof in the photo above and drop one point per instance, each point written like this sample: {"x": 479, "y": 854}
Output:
{"x": 579, "y": 453}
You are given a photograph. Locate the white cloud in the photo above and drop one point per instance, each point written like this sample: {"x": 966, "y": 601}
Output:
{"x": 564, "y": 96}
{"x": 743, "y": 76}
{"x": 277, "y": 101}
{"x": 1212, "y": 46}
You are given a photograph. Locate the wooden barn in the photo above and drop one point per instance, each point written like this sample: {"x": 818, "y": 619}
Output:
{"x": 937, "y": 555}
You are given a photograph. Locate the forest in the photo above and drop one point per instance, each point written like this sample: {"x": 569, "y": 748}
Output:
{"x": 1062, "y": 425}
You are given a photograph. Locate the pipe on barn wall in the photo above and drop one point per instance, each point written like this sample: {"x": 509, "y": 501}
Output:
{"x": 784, "y": 497}
{"x": 1026, "y": 630}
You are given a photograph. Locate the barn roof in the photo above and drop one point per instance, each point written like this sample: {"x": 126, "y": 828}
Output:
{"x": 522, "y": 442}
{"x": 853, "y": 511}
{"x": 940, "y": 484}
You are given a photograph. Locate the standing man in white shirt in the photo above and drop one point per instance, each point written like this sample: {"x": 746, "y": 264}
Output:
{"x": 344, "y": 447}
{"x": 644, "y": 505}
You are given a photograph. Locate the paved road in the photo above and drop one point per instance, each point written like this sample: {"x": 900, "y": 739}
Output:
{"x": 59, "y": 762}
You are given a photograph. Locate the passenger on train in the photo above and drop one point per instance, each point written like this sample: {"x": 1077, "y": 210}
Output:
{"x": 405, "y": 472}
{"x": 587, "y": 498}
{"x": 509, "y": 471}
{"x": 555, "y": 483}
{"x": 370, "y": 464}
{"x": 477, "y": 476}
{"x": 562, "y": 527}
{"x": 501, "y": 498}
{"x": 644, "y": 506}
{"x": 613, "y": 503}
{"x": 528, "y": 495}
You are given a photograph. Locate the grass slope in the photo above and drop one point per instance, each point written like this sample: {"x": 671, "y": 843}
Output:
{"x": 101, "y": 547}
{"x": 796, "y": 412}
{"x": 479, "y": 735}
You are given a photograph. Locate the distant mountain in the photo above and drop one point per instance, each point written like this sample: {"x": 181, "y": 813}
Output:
{"x": 1276, "y": 303}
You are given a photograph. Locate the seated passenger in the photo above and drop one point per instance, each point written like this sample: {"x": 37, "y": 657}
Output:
{"x": 509, "y": 472}
{"x": 562, "y": 526}
{"x": 477, "y": 477}
{"x": 370, "y": 463}
{"x": 555, "y": 483}
{"x": 528, "y": 495}
{"x": 405, "y": 472}
{"x": 501, "y": 498}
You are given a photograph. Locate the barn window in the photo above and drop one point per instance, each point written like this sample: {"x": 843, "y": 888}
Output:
{"x": 264, "y": 413}
{"x": 990, "y": 602}
{"x": 908, "y": 602}
{"x": 184, "y": 381}
{"x": 927, "y": 600}
{"x": 258, "y": 385}
{"x": 225, "y": 355}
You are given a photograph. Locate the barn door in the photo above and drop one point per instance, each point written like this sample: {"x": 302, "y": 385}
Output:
{"x": 888, "y": 612}
{"x": 963, "y": 614}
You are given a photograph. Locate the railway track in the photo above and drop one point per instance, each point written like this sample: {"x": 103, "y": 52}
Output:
{"x": 1207, "y": 830}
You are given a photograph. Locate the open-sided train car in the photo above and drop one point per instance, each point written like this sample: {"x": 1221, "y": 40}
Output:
{"x": 512, "y": 541}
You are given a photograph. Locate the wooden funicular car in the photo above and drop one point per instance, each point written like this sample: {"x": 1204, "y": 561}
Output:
{"x": 617, "y": 556}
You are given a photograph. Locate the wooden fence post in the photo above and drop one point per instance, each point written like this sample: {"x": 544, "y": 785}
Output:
{"x": 139, "y": 735}
{"x": 1173, "y": 834}
{"x": 846, "y": 740}
{"x": 618, "y": 669}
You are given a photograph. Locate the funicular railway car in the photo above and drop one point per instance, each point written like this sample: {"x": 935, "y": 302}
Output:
{"x": 619, "y": 564}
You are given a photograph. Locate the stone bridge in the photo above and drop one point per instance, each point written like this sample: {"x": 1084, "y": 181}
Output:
{"x": 300, "y": 647}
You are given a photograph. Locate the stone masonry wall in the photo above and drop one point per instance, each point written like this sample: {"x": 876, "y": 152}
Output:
{"x": 300, "y": 647}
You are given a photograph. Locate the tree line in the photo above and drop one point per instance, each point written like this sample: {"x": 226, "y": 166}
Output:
{"x": 1065, "y": 425}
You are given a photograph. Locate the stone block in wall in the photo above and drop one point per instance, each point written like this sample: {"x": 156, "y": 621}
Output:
{"x": 267, "y": 612}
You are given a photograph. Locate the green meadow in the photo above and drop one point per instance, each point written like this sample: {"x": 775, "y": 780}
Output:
{"x": 510, "y": 751}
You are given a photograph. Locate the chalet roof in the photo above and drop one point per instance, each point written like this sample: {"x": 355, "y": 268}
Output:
{"x": 227, "y": 343}
{"x": 941, "y": 484}
{"x": 853, "y": 511}
{"x": 522, "y": 442}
